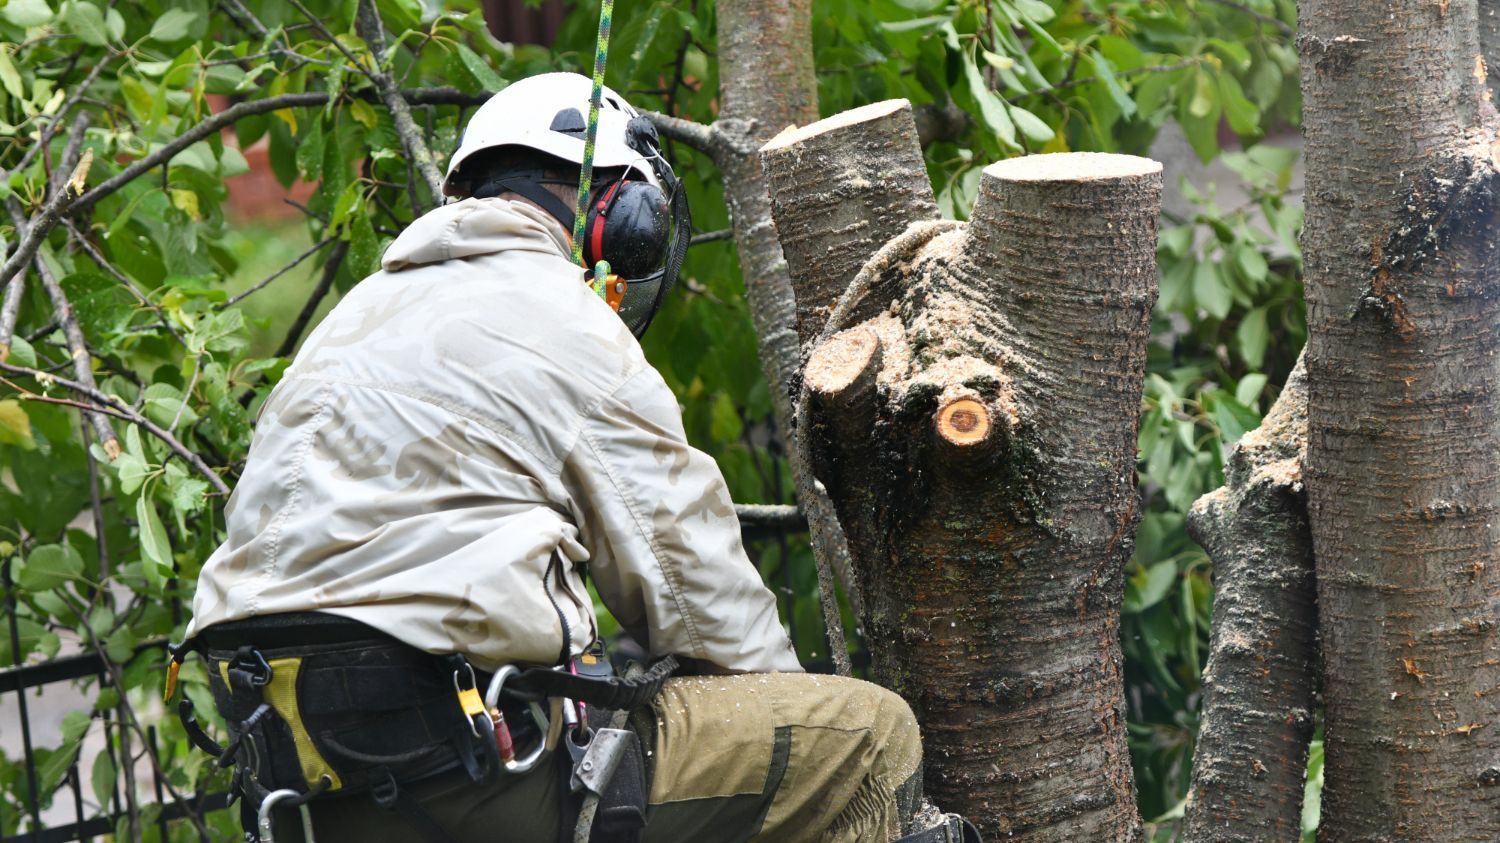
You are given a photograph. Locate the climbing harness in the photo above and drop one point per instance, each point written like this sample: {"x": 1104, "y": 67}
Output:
{"x": 360, "y": 713}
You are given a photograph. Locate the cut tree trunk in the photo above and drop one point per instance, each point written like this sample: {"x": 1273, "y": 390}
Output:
{"x": 976, "y": 431}
{"x": 1261, "y": 681}
{"x": 767, "y": 83}
{"x": 1403, "y": 461}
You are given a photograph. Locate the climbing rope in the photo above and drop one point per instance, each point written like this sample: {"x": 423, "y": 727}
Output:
{"x": 586, "y": 175}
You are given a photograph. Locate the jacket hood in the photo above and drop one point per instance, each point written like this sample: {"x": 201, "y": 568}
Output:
{"x": 475, "y": 227}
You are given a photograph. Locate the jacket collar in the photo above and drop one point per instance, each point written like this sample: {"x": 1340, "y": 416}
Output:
{"x": 474, "y": 227}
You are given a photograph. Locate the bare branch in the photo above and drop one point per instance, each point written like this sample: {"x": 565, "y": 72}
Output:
{"x": 9, "y": 311}
{"x": 115, "y": 407}
{"x": 203, "y": 129}
{"x": 703, "y": 138}
{"x": 367, "y": 23}
{"x": 712, "y": 236}
{"x": 104, "y": 264}
{"x": 62, "y": 113}
{"x": 47, "y": 133}
{"x": 1286, "y": 28}
{"x": 1074, "y": 83}
{"x": 770, "y": 515}
{"x": 238, "y": 10}
{"x": 325, "y": 283}
{"x": 322, "y": 30}
{"x": 33, "y": 232}
{"x": 78, "y": 351}
{"x": 259, "y": 285}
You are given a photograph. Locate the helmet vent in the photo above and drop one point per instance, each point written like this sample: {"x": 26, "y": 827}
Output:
{"x": 569, "y": 122}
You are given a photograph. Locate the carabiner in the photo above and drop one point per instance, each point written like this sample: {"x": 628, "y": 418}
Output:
{"x": 492, "y": 702}
{"x": 263, "y": 816}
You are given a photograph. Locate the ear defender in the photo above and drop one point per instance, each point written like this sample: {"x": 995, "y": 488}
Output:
{"x": 627, "y": 225}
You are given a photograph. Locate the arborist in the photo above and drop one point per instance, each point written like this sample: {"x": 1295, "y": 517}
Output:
{"x": 398, "y": 629}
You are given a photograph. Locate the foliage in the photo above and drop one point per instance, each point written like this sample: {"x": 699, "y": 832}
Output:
{"x": 107, "y": 573}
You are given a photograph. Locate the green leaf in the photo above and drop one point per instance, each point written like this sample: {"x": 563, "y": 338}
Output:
{"x": 1243, "y": 115}
{"x": 102, "y": 778}
{"x": 364, "y": 247}
{"x": 1202, "y": 103}
{"x": 172, "y": 25}
{"x": 1032, "y": 126}
{"x": 15, "y": 425}
{"x": 27, "y": 13}
{"x": 1034, "y": 10}
{"x": 992, "y": 109}
{"x": 1210, "y": 291}
{"x": 1148, "y": 586}
{"x": 1176, "y": 241}
{"x": 9, "y": 76}
{"x": 156, "y": 554}
{"x": 49, "y": 566}
{"x": 120, "y": 645}
{"x": 1251, "y": 263}
{"x": 21, "y": 353}
{"x": 1106, "y": 74}
{"x": 483, "y": 73}
{"x": 1248, "y": 390}
{"x": 1252, "y": 336}
{"x": 87, "y": 22}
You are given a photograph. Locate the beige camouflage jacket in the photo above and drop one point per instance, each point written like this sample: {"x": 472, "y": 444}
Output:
{"x": 463, "y": 432}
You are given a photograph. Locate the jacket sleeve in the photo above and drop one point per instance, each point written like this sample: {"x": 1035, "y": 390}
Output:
{"x": 666, "y": 556}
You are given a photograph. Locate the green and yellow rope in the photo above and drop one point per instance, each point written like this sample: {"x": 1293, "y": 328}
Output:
{"x": 586, "y": 175}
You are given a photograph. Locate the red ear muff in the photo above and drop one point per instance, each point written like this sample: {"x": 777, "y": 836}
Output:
{"x": 628, "y": 225}
{"x": 598, "y": 219}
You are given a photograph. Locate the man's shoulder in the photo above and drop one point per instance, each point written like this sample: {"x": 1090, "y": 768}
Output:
{"x": 505, "y": 327}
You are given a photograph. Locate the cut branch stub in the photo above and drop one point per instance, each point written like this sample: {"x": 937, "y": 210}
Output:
{"x": 840, "y": 188}
{"x": 993, "y": 586}
{"x": 845, "y": 365}
{"x": 963, "y": 422}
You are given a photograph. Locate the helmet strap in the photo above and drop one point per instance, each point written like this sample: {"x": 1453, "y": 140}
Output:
{"x": 533, "y": 185}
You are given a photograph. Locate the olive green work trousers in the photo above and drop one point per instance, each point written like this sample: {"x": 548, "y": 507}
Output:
{"x": 772, "y": 757}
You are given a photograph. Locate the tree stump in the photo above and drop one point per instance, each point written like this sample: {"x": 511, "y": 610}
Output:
{"x": 972, "y": 405}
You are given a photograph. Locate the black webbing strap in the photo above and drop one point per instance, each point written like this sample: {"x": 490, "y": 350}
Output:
{"x": 615, "y": 692}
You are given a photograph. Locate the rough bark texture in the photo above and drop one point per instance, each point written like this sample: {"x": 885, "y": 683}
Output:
{"x": 1261, "y": 681}
{"x": 1489, "y": 40}
{"x": 1403, "y": 462}
{"x": 977, "y": 434}
{"x": 839, "y": 194}
{"x": 767, "y": 83}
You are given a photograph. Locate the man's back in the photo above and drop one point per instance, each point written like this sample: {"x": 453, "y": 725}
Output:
{"x": 456, "y": 434}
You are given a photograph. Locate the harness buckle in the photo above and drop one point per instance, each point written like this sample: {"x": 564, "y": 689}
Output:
{"x": 469, "y": 700}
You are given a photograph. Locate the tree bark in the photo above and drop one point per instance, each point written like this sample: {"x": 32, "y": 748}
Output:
{"x": 1403, "y": 462}
{"x": 976, "y": 431}
{"x": 1489, "y": 42}
{"x": 767, "y": 83}
{"x": 1260, "y": 685}
{"x": 831, "y": 215}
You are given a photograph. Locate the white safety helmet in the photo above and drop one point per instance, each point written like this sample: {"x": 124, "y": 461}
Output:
{"x": 549, "y": 113}
{"x": 637, "y": 219}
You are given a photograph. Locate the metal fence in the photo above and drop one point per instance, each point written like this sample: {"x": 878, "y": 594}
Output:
{"x": 764, "y": 527}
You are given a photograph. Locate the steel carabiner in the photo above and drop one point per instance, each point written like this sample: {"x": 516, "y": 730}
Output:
{"x": 263, "y": 816}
